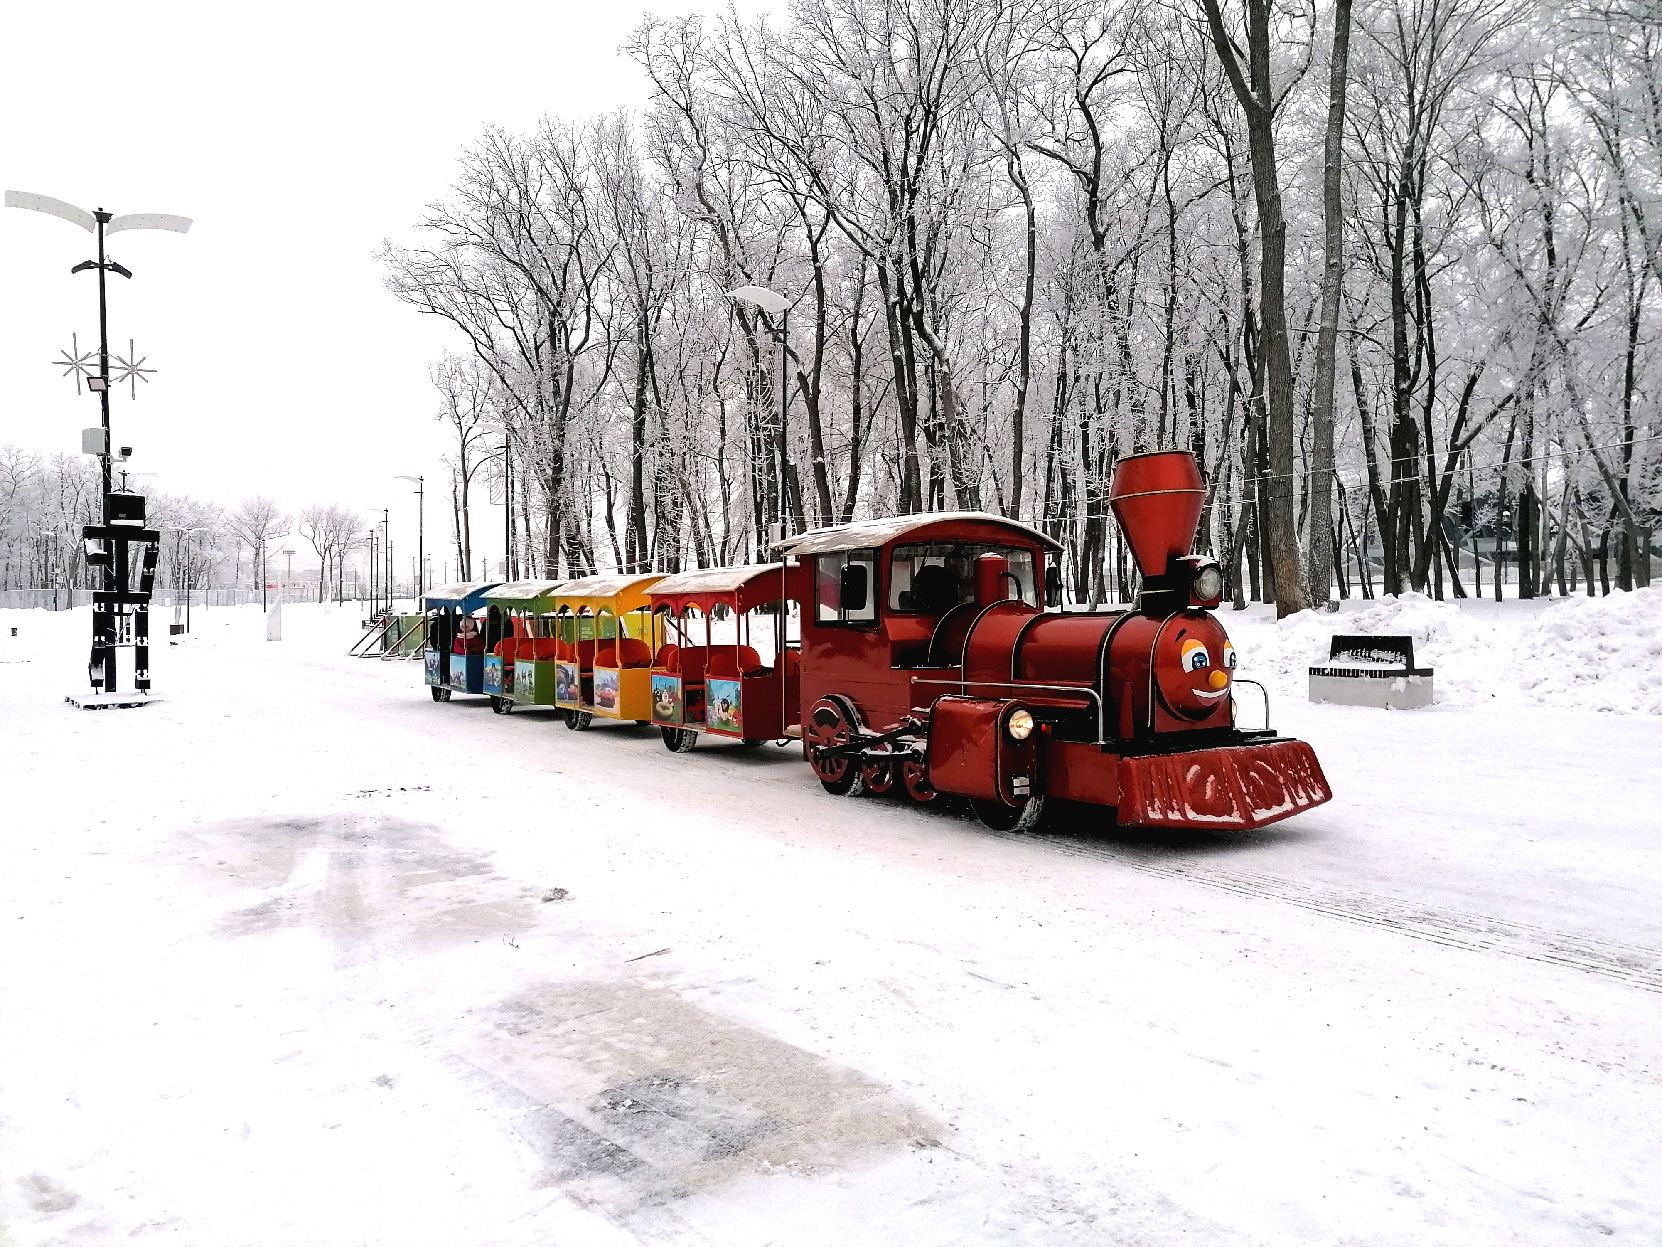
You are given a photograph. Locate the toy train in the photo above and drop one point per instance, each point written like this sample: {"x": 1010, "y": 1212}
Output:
{"x": 929, "y": 660}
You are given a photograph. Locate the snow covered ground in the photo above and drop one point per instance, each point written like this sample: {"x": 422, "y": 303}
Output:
{"x": 298, "y": 956}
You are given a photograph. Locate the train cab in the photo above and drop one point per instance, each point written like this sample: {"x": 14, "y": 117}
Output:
{"x": 605, "y": 637}
{"x": 460, "y": 630}
{"x": 727, "y": 665}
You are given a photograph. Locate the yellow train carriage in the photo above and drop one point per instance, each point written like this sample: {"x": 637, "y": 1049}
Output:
{"x": 605, "y": 637}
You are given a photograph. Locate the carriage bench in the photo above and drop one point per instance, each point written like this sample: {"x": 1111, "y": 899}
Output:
{"x": 1372, "y": 671}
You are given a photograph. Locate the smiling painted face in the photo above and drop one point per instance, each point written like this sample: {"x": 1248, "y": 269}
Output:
{"x": 1194, "y": 664}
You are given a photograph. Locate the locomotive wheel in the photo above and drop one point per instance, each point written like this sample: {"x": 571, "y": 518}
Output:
{"x": 878, "y": 774}
{"x": 579, "y": 720}
{"x": 915, "y": 783}
{"x": 439, "y": 694}
{"x": 1000, "y": 817}
{"x": 831, "y": 723}
{"x": 679, "y": 739}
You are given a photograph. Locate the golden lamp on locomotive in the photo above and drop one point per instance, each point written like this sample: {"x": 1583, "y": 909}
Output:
{"x": 934, "y": 663}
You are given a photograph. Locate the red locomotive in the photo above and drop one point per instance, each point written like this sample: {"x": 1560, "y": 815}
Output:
{"x": 930, "y": 665}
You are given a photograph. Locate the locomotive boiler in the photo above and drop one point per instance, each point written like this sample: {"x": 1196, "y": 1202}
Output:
{"x": 935, "y": 661}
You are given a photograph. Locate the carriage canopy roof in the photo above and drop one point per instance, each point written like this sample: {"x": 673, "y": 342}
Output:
{"x": 865, "y": 534}
{"x": 743, "y": 587}
{"x": 525, "y": 595}
{"x": 467, "y": 597}
{"x": 613, "y": 593}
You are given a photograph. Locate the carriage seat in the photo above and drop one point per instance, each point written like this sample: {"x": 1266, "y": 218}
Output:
{"x": 623, "y": 652}
{"x": 729, "y": 662}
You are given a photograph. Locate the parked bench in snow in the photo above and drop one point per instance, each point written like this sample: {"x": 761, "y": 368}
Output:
{"x": 1372, "y": 671}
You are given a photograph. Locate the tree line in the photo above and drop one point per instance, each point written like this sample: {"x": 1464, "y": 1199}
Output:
{"x": 45, "y": 500}
{"x": 1390, "y": 270}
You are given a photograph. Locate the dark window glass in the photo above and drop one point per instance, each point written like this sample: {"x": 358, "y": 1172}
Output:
{"x": 931, "y": 579}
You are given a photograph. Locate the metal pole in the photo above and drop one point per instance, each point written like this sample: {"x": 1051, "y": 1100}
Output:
{"x": 109, "y": 635}
{"x": 507, "y": 507}
{"x": 421, "y": 537}
{"x": 104, "y": 372}
{"x": 784, "y": 415}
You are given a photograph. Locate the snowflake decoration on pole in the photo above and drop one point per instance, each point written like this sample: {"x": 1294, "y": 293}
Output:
{"x": 130, "y": 368}
{"x": 74, "y": 360}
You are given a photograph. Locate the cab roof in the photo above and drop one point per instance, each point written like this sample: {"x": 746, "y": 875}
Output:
{"x": 865, "y": 534}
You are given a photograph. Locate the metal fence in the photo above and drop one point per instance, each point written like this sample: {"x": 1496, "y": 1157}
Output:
{"x": 161, "y": 599}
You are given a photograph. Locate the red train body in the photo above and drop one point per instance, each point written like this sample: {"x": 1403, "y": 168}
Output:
{"x": 931, "y": 665}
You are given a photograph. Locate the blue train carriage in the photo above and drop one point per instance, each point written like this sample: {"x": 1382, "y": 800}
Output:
{"x": 460, "y": 630}
{"x": 710, "y": 674}
{"x": 605, "y": 637}
{"x": 519, "y": 668}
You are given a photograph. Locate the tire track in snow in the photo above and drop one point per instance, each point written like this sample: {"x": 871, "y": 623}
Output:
{"x": 1630, "y": 964}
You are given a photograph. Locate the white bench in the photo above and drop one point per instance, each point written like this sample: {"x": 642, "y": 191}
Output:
{"x": 1372, "y": 671}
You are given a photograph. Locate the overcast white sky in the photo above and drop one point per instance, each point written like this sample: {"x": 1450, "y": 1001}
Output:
{"x": 297, "y": 136}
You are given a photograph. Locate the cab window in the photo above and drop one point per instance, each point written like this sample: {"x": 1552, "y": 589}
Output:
{"x": 931, "y": 579}
{"x": 829, "y": 607}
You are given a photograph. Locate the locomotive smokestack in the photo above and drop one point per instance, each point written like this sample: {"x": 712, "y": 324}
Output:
{"x": 1157, "y": 499}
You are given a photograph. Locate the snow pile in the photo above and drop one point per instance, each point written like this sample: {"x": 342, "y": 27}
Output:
{"x": 1597, "y": 653}
{"x": 1576, "y": 653}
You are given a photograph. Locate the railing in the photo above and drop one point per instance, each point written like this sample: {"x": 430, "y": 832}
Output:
{"x": 70, "y": 599}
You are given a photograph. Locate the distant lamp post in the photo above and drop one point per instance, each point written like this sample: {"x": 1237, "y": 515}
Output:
{"x": 288, "y": 573}
{"x": 420, "y": 482}
{"x": 190, "y": 568}
{"x": 776, "y": 305}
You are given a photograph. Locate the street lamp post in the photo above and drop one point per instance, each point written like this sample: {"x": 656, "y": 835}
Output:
{"x": 288, "y": 574}
{"x": 776, "y": 304}
{"x": 421, "y": 532}
{"x": 112, "y": 549}
{"x": 190, "y": 568}
{"x": 386, "y": 552}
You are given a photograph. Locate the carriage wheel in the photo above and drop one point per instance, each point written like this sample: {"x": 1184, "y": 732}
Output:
{"x": 831, "y": 723}
{"x": 496, "y": 704}
{"x": 1000, "y": 817}
{"x": 751, "y": 743}
{"x": 679, "y": 739}
{"x": 878, "y": 774}
{"x": 439, "y": 693}
{"x": 643, "y": 722}
{"x": 508, "y": 704}
{"x": 914, "y": 781}
{"x": 579, "y": 720}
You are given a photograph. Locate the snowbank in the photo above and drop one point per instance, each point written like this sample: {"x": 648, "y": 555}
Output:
{"x": 1573, "y": 653}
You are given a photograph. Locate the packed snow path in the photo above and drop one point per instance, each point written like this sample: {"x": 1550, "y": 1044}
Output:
{"x": 338, "y": 965}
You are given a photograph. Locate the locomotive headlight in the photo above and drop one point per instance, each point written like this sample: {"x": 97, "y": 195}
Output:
{"x": 1208, "y": 583}
{"x": 1019, "y": 725}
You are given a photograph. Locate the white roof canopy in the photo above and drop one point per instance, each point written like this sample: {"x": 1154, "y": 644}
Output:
{"x": 863, "y": 534}
{"x": 712, "y": 579}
